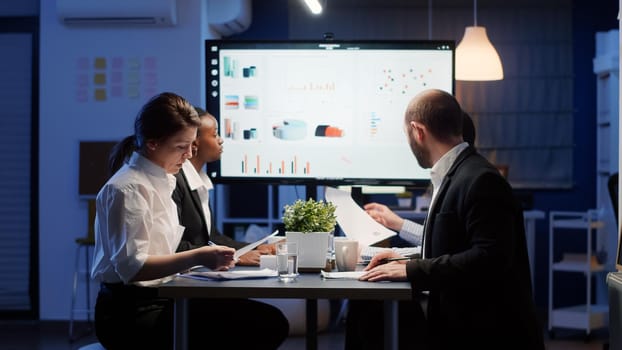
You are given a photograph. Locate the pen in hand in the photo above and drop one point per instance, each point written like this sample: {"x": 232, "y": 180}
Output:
{"x": 386, "y": 260}
{"x": 212, "y": 244}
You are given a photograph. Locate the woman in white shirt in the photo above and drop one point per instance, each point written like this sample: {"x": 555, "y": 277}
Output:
{"x": 137, "y": 231}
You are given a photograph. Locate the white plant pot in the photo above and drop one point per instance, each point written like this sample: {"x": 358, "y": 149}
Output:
{"x": 312, "y": 248}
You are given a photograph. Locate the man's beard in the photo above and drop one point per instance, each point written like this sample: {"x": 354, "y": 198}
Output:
{"x": 422, "y": 154}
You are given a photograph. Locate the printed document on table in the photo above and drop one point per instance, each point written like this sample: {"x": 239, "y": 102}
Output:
{"x": 347, "y": 275}
{"x": 206, "y": 274}
{"x": 354, "y": 221}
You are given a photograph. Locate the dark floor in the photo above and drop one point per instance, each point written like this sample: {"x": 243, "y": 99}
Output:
{"x": 53, "y": 335}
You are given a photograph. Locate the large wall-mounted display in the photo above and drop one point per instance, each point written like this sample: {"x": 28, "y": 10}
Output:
{"x": 321, "y": 112}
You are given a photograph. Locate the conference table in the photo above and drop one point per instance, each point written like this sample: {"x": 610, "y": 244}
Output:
{"x": 311, "y": 287}
{"x": 308, "y": 286}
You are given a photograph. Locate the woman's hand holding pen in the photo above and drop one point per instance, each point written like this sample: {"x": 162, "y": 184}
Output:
{"x": 379, "y": 269}
{"x": 215, "y": 257}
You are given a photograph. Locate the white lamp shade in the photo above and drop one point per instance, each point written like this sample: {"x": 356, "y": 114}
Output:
{"x": 314, "y": 6}
{"x": 476, "y": 58}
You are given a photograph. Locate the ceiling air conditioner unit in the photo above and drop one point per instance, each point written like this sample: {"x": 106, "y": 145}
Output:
{"x": 117, "y": 12}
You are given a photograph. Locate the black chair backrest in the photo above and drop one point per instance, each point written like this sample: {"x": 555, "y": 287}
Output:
{"x": 612, "y": 184}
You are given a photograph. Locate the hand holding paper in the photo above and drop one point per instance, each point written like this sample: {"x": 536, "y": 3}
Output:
{"x": 354, "y": 221}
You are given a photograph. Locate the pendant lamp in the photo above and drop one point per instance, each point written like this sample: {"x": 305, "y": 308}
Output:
{"x": 476, "y": 58}
{"x": 314, "y": 6}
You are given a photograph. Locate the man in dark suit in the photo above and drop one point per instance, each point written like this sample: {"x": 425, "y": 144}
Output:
{"x": 475, "y": 268}
{"x": 364, "y": 323}
{"x": 191, "y": 195}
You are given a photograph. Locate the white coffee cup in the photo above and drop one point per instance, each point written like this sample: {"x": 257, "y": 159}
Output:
{"x": 346, "y": 254}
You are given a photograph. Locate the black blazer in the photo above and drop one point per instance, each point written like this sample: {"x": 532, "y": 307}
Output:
{"x": 191, "y": 217}
{"x": 476, "y": 267}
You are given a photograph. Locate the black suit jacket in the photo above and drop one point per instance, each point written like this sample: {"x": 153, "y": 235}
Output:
{"x": 191, "y": 217}
{"x": 476, "y": 267}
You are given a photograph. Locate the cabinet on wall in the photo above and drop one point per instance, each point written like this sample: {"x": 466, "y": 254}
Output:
{"x": 591, "y": 314}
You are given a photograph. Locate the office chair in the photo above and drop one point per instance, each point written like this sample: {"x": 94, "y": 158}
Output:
{"x": 92, "y": 346}
{"x": 612, "y": 185}
{"x": 86, "y": 244}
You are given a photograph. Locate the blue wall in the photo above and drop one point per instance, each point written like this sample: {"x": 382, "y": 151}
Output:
{"x": 148, "y": 60}
{"x": 587, "y": 20}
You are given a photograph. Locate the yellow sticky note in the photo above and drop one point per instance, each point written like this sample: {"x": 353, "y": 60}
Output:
{"x": 99, "y": 79}
{"x": 100, "y": 94}
{"x": 100, "y": 63}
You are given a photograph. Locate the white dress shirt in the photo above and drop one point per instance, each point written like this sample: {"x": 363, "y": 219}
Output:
{"x": 200, "y": 182}
{"x": 411, "y": 231}
{"x": 136, "y": 217}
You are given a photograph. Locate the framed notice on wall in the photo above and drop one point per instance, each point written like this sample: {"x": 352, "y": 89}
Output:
{"x": 93, "y": 166}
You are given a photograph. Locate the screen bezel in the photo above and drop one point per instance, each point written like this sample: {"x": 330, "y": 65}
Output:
{"x": 213, "y": 105}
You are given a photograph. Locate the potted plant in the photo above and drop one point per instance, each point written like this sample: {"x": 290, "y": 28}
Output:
{"x": 311, "y": 224}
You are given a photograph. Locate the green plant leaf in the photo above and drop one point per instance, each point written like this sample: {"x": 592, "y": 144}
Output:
{"x": 309, "y": 216}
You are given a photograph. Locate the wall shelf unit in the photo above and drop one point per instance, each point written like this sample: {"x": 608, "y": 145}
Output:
{"x": 589, "y": 315}
{"x": 238, "y": 206}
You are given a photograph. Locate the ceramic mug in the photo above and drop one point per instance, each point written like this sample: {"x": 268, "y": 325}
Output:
{"x": 346, "y": 254}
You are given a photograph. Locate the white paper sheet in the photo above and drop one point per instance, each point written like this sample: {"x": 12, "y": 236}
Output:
{"x": 368, "y": 252}
{"x": 247, "y": 248}
{"x": 348, "y": 275}
{"x": 230, "y": 275}
{"x": 354, "y": 221}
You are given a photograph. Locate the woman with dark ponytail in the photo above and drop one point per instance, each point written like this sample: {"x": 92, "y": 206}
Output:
{"x": 137, "y": 231}
{"x": 120, "y": 153}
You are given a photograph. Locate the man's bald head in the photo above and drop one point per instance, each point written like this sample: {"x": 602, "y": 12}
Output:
{"x": 439, "y": 112}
